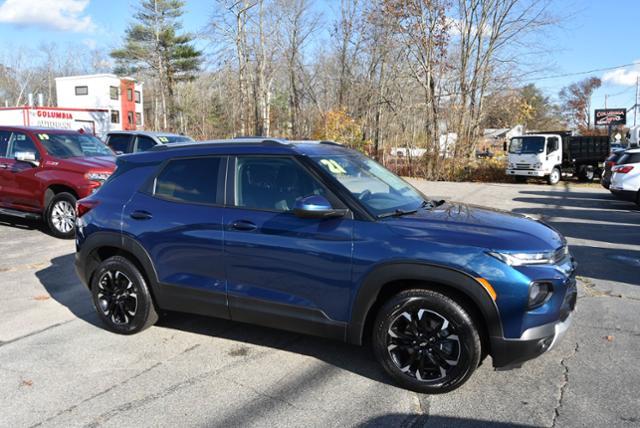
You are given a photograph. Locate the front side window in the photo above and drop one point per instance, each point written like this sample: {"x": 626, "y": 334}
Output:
{"x": 5, "y": 136}
{"x": 192, "y": 180}
{"x": 378, "y": 189}
{"x": 73, "y": 145}
{"x": 526, "y": 145}
{"x": 272, "y": 184}
{"x": 82, "y": 90}
{"x": 21, "y": 143}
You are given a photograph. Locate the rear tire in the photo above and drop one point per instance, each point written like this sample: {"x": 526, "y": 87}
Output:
{"x": 60, "y": 215}
{"x": 426, "y": 341}
{"x": 554, "y": 177}
{"x": 121, "y": 297}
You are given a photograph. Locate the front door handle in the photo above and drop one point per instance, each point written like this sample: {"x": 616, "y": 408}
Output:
{"x": 141, "y": 215}
{"x": 243, "y": 225}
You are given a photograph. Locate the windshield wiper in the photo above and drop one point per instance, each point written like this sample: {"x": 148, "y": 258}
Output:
{"x": 397, "y": 213}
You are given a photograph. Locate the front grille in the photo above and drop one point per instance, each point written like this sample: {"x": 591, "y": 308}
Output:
{"x": 523, "y": 166}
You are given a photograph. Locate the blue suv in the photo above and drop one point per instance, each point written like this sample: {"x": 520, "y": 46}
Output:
{"x": 315, "y": 238}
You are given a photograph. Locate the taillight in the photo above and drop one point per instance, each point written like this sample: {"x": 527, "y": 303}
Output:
{"x": 623, "y": 169}
{"x": 83, "y": 206}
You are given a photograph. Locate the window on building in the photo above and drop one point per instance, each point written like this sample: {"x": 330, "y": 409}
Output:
{"x": 115, "y": 116}
{"x": 114, "y": 92}
{"x": 129, "y": 94}
{"x": 189, "y": 180}
{"x": 138, "y": 97}
{"x": 130, "y": 118}
{"x": 82, "y": 90}
{"x": 139, "y": 119}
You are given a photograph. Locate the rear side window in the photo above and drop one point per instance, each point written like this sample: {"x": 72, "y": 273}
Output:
{"x": 144, "y": 144}
{"x": 629, "y": 158}
{"x": 119, "y": 142}
{"x": 193, "y": 180}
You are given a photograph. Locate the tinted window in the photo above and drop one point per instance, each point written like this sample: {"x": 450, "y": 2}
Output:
{"x": 629, "y": 158}
{"x": 4, "y": 143}
{"x": 189, "y": 180}
{"x": 21, "y": 143}
{"x": 119, "y": 142}
{"x": 273, "y": 184}
{"x": 144, "y": 144}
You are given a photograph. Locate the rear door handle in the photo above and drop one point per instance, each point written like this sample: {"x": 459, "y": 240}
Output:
{"x": 243, "y": 225}
{"x": 141, "y": 215}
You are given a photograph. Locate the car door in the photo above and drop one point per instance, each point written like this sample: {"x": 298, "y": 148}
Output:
{"x": 284, "y": 271}
{"x": 19, "y": 186}
{"x": 177, "y": 218}
{"x": 144, "y": 143}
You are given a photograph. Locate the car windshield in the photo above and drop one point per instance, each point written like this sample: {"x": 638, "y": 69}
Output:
{"x": 526, "y": 145}
{"x": 174, "y": 139}
{"x": 379, "y": 190}
{"x": 73, "y": 145}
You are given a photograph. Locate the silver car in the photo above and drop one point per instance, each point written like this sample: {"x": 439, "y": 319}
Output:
{"x": 140, "y": 141}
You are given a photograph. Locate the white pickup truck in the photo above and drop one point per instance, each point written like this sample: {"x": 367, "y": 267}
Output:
{"x": 552, "y": 155}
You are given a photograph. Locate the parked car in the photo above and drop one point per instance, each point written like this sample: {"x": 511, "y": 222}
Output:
{"x": 484, "y": 154}
{"x": 44, "y": 171}
{"x": 609, "y": 163}
{"x": 316, "y": 238}
{"x": 140, "y": 141}
{"x": 625, "y": 181}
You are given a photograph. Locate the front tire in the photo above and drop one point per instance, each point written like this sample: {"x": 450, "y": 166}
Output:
{"x": 520, "y": 179}
{"x": 61, "y": 215}
{"x": 554, "y": 177}
{"x": 426, "y": 341}
{"x": 121, "y": 297}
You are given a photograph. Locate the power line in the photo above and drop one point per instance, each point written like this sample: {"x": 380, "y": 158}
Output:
{"x": 578, "y": 73}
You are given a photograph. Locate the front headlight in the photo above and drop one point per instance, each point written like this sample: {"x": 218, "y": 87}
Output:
{"x": 97, "y": 176}
{"x": 522, "y": 259}
{"x": 537, "y": 166}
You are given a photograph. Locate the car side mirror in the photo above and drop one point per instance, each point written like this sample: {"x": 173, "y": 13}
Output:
{"x": 316, "y": 206}
{"x": 29, "y": 157}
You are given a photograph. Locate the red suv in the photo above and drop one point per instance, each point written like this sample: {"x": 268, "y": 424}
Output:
{"x": 44, "y": 171}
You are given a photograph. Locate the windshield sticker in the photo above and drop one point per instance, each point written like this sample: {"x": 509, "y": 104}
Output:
{"x": 333, "y": 166}
{"x": 43, "y": 136}
{"x": 163, "y": 139}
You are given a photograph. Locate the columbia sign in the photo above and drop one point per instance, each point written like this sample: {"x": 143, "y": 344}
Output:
{"x": 611, "y": 116}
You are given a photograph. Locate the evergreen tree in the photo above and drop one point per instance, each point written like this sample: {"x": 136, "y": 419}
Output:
{"x": 153, "y": 44}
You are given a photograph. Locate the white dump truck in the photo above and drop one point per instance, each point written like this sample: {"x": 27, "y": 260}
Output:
{"x": 556, "y": 154}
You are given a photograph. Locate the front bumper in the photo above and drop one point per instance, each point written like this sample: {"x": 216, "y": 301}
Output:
{"x": 535, "y": 341}
{"x": 526, "y": 172}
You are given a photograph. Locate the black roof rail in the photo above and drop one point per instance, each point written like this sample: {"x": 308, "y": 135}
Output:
{"x": 333, "y": 143}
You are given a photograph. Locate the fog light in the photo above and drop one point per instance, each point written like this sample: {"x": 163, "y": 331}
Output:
{"x": 539, "y": 293}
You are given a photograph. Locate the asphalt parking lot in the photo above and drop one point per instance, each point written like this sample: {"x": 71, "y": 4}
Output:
{"x": 58, "y": 367}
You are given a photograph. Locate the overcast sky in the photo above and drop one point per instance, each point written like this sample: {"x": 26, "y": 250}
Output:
{"x": 593, "y": 34}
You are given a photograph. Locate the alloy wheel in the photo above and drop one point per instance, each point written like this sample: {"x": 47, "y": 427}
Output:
{"x": 117, "y": 297}
{"x": 63, "y": 216}
{"x": 424, "y": 345}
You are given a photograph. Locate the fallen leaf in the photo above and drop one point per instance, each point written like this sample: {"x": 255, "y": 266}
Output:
{"x": 609, "y": 338}
{"x": 41, "y": 297}
{"x": 27, "y": 382}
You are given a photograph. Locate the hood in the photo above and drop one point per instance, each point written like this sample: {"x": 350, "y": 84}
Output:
{"x": 84, "y": 164}
{"x": 461, "y": 224}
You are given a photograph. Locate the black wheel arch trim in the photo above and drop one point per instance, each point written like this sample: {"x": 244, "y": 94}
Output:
{"x": 460, "y": 281}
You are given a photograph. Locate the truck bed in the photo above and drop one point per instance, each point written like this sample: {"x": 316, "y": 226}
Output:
{"x": 580, "y": 150}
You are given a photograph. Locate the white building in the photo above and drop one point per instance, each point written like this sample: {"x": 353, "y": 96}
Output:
{"x": 94, "y": 121}
{"x": 121, "y": 97}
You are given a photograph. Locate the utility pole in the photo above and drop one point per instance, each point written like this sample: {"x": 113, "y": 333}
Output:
{"x": 635, "y": 106}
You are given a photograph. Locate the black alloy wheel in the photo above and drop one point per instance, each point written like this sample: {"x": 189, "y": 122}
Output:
{"x": 426, "y": 341}
{"x": 121, "y": 297}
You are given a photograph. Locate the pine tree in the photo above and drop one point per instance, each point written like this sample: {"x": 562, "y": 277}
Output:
{"x": 153, "y": 44}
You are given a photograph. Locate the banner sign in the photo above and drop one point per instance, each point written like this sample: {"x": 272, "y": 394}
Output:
{"x": 611, "y": 116}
